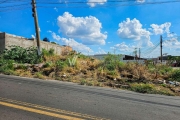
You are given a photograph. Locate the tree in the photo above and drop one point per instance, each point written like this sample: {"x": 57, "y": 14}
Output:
{"x": 46, "y": 39}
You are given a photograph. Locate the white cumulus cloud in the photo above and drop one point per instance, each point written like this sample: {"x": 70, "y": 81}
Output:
{"x": 161, "y": 29}
{"x": 140, "y": 1}
{"x": 93, "y": 3}
{"x": 132, "y": 29}
{"x": 122, "y": 47}
{"x": 172, "y": 43}
{"x": 71, "y": 42}
{"x": 101, "y": 51}
{"x": 87, "y": 29}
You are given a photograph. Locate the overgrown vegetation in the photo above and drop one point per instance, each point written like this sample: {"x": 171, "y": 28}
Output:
{"x": 76, "y": 67}
{"x": 21, "y": 55}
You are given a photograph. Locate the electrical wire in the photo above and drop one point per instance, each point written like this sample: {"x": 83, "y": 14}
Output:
{"x": 79, "y": 4}
{"x": 150, "y": 50}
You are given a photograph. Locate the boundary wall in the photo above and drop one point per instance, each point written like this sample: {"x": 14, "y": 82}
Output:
{"x": 9, "y": 40}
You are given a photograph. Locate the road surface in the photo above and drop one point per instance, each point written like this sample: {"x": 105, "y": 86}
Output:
{"x": 34, "y": 99}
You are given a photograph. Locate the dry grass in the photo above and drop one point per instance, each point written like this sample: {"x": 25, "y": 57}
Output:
{"x": 92, "y": 72}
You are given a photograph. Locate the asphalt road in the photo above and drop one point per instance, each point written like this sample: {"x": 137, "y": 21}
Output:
{"x": 34, "y": 99}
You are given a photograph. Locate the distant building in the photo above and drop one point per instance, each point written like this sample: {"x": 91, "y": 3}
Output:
{"x": 7, "y": 40}
{"x": 123, "y": 58}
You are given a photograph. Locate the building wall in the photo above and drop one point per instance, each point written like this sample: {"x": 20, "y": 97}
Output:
{"x": 101, "y": 57}
{"x": 7, "y": 40}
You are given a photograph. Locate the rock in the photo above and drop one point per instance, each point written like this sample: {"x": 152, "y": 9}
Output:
{"x": 27, "y": 65}
{"x": 177, "y": 83}
{"x": 160, "y": 81}
{"x": 176, "y": 90}
{"x": 15, "y": 65}
{"x": 64, "y": 75}
{"x": 39, "y": 65}
{"x": 118, "y": 85}
{"x": 36, "y": 69}
{"x": 164, "y": 81}
{"x": 125, "y": 86}
{"x": 30, "y": 69}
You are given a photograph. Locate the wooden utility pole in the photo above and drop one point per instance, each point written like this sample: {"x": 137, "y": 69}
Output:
{"x": 36, "y": 26}
{"x": 139, "y": 53}
{"x": 161, "y": 47}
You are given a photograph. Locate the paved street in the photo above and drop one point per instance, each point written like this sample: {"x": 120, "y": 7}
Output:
{"x": 34, "y": 99}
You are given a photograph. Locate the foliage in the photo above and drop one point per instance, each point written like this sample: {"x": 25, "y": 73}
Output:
{"x": 39, "y": 75}
{"x": 22, "y": 55}
{"x": 6, "y": 66}
{"x": 164, "y": 69}
{"x": 60, "y": 65}
{"x": 176, "y": 75}
{"x": 46, "y": 39}
{"x": 73, "y": 61}
{"x": 49, "y": 52}
{"x": 149, "y": 64}
{"x": 142, "y": 88}
{"x": 53, "y": 42}
{"x": 48, "y": 64}
{"x": 111, "y": 62}
{"x": 150, "y": 88}
{"x": 80, "y": 55}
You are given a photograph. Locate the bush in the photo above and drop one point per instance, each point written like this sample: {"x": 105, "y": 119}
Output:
{"x": 48, "y": 64}
{"x": 60, "y": 65}
{"x": 142, "y": 88}
{"x": 6, "y": 66}
{"x": 49, "y": 52}
{"x": 150, "y": 88}
{"x": 111, "y": 62}
{"x": 164, "y": 69}
{"x": 176, "y": 75}
{"x": 22, "y": 55}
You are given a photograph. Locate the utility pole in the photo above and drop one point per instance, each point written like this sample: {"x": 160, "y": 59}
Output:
{"x": 135, "y": 54}
{"x": 161, "y": 47}
{"x": 36, "y": 26}
{"x": 139, "y": 53}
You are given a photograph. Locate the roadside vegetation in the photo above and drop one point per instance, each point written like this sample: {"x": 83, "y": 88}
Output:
{"x": 76, "y": 67}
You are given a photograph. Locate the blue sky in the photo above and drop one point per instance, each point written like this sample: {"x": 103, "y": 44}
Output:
{"x": 99, "y": 26}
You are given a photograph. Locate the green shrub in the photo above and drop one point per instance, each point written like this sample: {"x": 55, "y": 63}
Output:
{"x": 60, "y": 65}
{"x": 164, "y": 69}
{"x": 49, "y": 52}
{"x": 7, "y": 66}
{"x": 176, "y": 75}
{"x": 83, "y": 82}
{"x": 48, "y": 64}
{"x": 80, "y": 55}
{"x": 142, "y": 88}
{"x": 113, "y": 73}
{"x": 150, "y": 88}
{"x": 111, "y": 62}
{"x": 22, "y": 55}
{"x": 39, "y": 75}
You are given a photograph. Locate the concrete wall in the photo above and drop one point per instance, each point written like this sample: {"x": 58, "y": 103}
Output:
{"x": 7, "y": 40}
{"x": 18, "y": 41}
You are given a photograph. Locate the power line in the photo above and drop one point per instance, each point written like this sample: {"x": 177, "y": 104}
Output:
{"x": 15, "y": 5}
